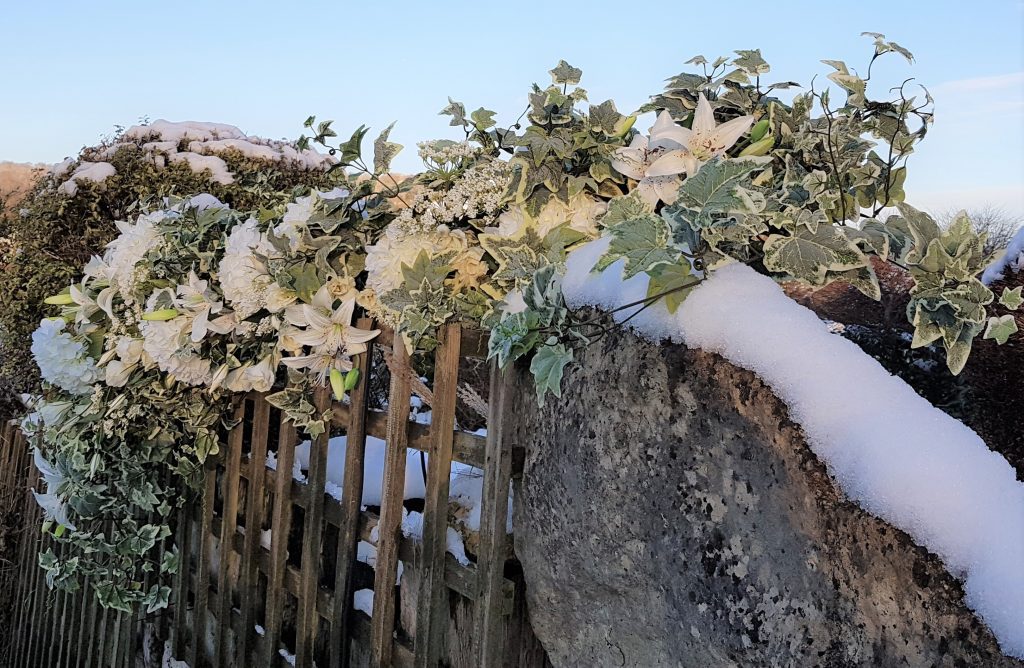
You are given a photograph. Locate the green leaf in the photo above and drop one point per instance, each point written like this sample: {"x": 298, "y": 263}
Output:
{"x": 547, "y": 367}
{"x": 457, "y": 111}
{"x": 671, "y": 277}
{"x": 564, "y": 73}
{"x": 1011, "y": 299}
{"x": 625, "y": 208}
{"x": 809, "y": 256}
{"x": 384, "y": 151}
{"x": 711, "y": 192}
{"x": 643, "y": 242}
{"x": 751, "y": 62}
{"x": 1001, "y": 328}
{"x": 483, "y": 119}
{"x": 352, "y": 149}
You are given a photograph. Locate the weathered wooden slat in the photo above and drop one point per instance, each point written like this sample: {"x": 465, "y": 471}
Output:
{"x": 281, "y": 525}
{"x": 31, "y": 563}
{"x": 24, "y": 600}
{"x": 311, "y": 533}
{"x": 487, "y": 629}
{"x": 432, "y": 603}
{"x": 64, "y": 602}
{"x": 352, "y": 496}
{"x": 392, "y": 496}
{"x": 184, "y": 542}
{"x": 229, "y": 523}
{"x": 253, "y": 524}
{"x": 202, "y": 591}
{"x": 84, "y": 613}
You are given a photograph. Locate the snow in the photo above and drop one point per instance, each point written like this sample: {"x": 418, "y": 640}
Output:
{"x": 1012, "y": 258}
{"x": 98, "y": 172}
{"x": 373, "y": 469}
{"x": 890, "y": 450}
{"x": 176, "y": 132}
{"x": 168, "y": 660}
{"x": 212, "y": 138}
{"x": 364, "y": 601}
{"x": 219, "y": 172}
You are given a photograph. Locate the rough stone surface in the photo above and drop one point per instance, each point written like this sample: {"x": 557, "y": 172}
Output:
{"x": 671, "y": 514}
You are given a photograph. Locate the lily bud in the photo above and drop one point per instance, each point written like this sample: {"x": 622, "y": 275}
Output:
{"x": 759, "y": 130}
{"x": 337, "y": 384}
{"x": 624, "y": 126}
{"x": 63, "y": 299}
{"x": 351, "y": 379}
{"x": 161, "y": 314}
{"x": 759, "y": 147}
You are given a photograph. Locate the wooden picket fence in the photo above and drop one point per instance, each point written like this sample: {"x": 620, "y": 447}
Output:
{"x": 239, "y": 599}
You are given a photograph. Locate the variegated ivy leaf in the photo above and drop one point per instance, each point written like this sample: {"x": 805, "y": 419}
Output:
{"x": 1001, "y": 328}
{"x": 483, "y": 119}
{"x": 547, "y": 367}
{"x": 625, "y": 208}
{"x": 384, "y": 151}
{"x": 518, "y": 257}
{"x": 1011, "y": 299}
{"x": 712, "y": 192}
{"x": 672, "y": 277}
{"x": 870, "y": 240}
{"x": 564, "y": 73}
{"x": 863, "y": 278}
{"x": 810, "y": 256}
{"x": 605, "y": 117}
{"x": 643, "y": 242}
{"x": 921, "y": 227}
{"x": 751, "y": 62}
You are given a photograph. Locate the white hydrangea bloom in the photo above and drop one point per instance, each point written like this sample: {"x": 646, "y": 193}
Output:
{"x": 400, "y": 244}
{"x": 62, "y": 360}
{"x": 127, "y": 250}
{"x": 244, "y": 278}
{"x": 581, "y": 214}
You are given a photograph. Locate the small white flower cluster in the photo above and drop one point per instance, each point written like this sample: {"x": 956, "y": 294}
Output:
{"x": 447, "y": 152}
{"x": 63, "y": 360}
{"x": 477, "y": 195}
{"x": 123, "y": 254}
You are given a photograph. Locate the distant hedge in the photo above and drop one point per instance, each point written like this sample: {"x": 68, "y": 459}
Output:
{"x": 68, "y": 217}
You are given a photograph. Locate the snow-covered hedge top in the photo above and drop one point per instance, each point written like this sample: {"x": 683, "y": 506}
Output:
{"x": 197, "y": 144}
{"x": 890, "y": 450}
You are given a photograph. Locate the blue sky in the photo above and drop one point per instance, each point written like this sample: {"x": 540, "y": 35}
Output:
{"x": 71, "y": 71}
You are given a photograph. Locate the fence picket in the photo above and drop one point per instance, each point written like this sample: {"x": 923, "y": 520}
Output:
{"x": 253, "y": 524}
{"x": 352, "y": 494}
{"x": 382, "y": 624}
{"x": 487, "y": 629}
{"x": 281, "y": 525}
{"x": 311, "y": 534}
{"x": 229, "y": 525}
{"x": 202, "y": 566}
{"x": 432, "y": 604}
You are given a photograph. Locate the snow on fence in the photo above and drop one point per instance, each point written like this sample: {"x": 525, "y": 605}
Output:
{"x": 284, "y": 592}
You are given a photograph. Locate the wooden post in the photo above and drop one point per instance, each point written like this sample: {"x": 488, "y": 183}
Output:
{"x": 351, "y": 502}
{"x": 487, "y": 628}
{"x": 382, "y": 624}
{"x": 311, "y": 534}
{"x": 281, "y": 526}
{"x": 432, "y": 598}
{"x": 253, "y": 524}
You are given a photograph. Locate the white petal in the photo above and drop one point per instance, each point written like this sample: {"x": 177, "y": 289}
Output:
{"x": 728, "y": 133}
{"x": 629, "y": 162}
{"x": 703, "y": 117}
{"x": 666, "y": 188}
{"x": 669, "y": 164}
{"x": 666, "y": 134}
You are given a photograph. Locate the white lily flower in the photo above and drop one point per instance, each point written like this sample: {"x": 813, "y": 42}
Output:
{"x": 699, "y": 143}
{"x": 672, "y": 150}
{"x": 320, "y": 362}
{"x": 326, "y": 327}
{"x": 257, "y": 377}
{"x": 197, "y": 299}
